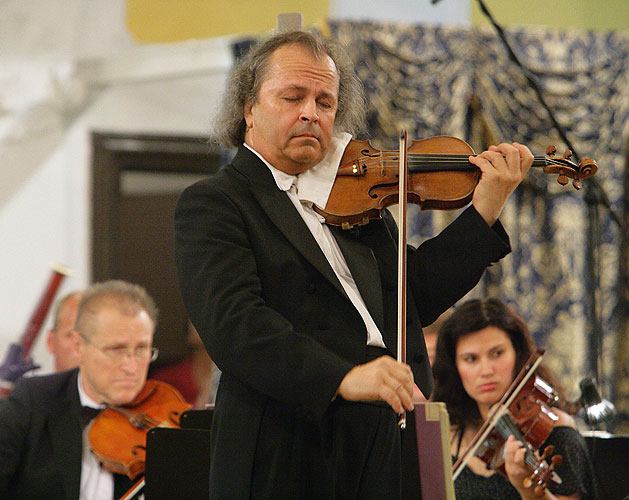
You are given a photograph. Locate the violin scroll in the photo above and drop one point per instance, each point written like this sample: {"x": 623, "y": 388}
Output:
{"x": 544, "y": 474}
{"x": 567, "y": 169}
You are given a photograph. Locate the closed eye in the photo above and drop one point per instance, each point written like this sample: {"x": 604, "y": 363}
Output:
{"x": 118, "y": 350}
{"x": 141, "y": 350}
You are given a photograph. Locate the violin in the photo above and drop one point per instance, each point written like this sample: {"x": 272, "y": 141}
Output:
{"x": 525, "y": 411}
{"x": 440, "y": 177}
{"x": 117, "y": 435}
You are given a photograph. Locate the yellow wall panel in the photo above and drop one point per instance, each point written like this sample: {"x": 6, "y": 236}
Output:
{"x": 585, "y": 14}
{"x": 158, "y": 21}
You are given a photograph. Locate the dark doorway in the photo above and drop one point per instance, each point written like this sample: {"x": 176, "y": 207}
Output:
{"x": 136, "y": 183}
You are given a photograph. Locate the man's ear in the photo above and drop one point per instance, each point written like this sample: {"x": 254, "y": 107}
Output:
{"x": 50, "y": 341}
{"x": 77, "y": 342}
{"x": 248, "y": 115}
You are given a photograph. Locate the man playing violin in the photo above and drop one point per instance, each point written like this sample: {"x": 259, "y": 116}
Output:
{"x": 300, "y": 316}
{"x": 44, "y": 451}
{"x": 481, "y": 347}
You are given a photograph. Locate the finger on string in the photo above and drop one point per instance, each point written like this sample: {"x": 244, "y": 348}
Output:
{"x": 526, "y": 157}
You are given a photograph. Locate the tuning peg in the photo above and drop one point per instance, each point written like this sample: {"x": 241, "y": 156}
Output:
{"x": 577, "y": 184}
{"x": 567, "y": 154}
{"x": 540, "y": 490}
{"x": 551, "y": 150}
{"x": 543, "y": 473}
{"x": 540, "y": 485}
{"x": 562, "y": 179}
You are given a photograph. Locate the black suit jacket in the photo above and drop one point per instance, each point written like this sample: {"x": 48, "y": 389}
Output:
{"x": 40, "y": 439}
{"x": 274, "y": 316}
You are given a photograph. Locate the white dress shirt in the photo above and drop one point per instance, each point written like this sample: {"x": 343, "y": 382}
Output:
{"x": 313, "y": 187}
{"x": 97, "y": 483}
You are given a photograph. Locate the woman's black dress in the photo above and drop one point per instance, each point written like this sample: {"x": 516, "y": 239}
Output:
{"x": 576, "y": 473}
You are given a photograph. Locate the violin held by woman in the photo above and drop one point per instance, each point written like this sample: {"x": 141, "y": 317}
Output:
{"x": 506, "y": 408}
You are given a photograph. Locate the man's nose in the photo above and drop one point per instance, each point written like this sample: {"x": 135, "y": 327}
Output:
{"x": 130, "y": 362}
{"x": 309, "y": 111}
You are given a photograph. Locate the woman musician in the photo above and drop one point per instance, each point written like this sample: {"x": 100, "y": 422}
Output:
{"x": 480, "y": 349}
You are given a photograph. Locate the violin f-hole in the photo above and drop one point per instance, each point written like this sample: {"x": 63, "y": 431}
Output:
{"x": 137, "y": 449}
{"x": 172, "y": 415}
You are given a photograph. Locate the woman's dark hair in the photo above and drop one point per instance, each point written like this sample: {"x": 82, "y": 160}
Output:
{"x": 470, "y": 317}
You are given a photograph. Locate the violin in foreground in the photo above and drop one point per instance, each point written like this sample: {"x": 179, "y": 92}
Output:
{"x": 440, "y": 177}
{"x": 117, "y": 436}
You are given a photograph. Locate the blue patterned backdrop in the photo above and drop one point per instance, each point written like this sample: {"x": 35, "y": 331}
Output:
{"x": 567, "y": 273}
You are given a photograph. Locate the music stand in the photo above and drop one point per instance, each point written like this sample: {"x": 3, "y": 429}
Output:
{"x": 426, "y": 461}
{"x": 178, "y": 459}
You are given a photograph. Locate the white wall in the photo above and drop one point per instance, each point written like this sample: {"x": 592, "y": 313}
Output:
{"x": 48, "y": 218}
{"x": 45, "y": 155}
{"x": 405, "y": 11}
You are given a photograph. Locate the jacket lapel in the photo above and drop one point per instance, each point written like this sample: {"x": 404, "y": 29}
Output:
{"x": 282, "y": 212}
{"x": 364, "y": 268}
{"x": 65, "y": 435}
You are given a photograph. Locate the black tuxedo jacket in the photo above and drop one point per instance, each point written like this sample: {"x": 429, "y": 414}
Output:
{"x": 274, "y": 316}
{"x": 40, "y": 439}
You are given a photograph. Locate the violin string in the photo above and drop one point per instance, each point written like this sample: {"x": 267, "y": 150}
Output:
{"x": 394, "y": 155}
{"x": 505, "y": 427}
{"x": 437, "y": 158}
{"x": 453, "y": 161}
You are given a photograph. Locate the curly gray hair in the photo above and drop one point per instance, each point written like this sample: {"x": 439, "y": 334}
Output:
{"x": 247, "y": 77}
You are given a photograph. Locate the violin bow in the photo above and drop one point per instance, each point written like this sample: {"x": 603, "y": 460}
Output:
{"x": 401, "y": 279}
{"x": 135, "y": 490}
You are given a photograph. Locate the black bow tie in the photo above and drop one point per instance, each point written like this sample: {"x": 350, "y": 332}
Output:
{"x": 88, "y": 413}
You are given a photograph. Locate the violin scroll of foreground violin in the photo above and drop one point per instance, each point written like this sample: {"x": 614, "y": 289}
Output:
{"x": 117, "y": 436}
{"x": 440, "y": 177}
{"x": 530, "y": 420}
{"x": 524, "y": 412}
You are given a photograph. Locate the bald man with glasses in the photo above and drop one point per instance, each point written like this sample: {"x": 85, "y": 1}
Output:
{"x": 44, "y": 452}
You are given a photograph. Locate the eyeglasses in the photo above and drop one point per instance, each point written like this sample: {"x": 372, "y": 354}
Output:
{"x": 118, "y": 354}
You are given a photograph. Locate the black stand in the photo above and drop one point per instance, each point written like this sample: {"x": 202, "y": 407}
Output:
{"x": 610, "y": 466}
{"x": 178, "y": 460}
